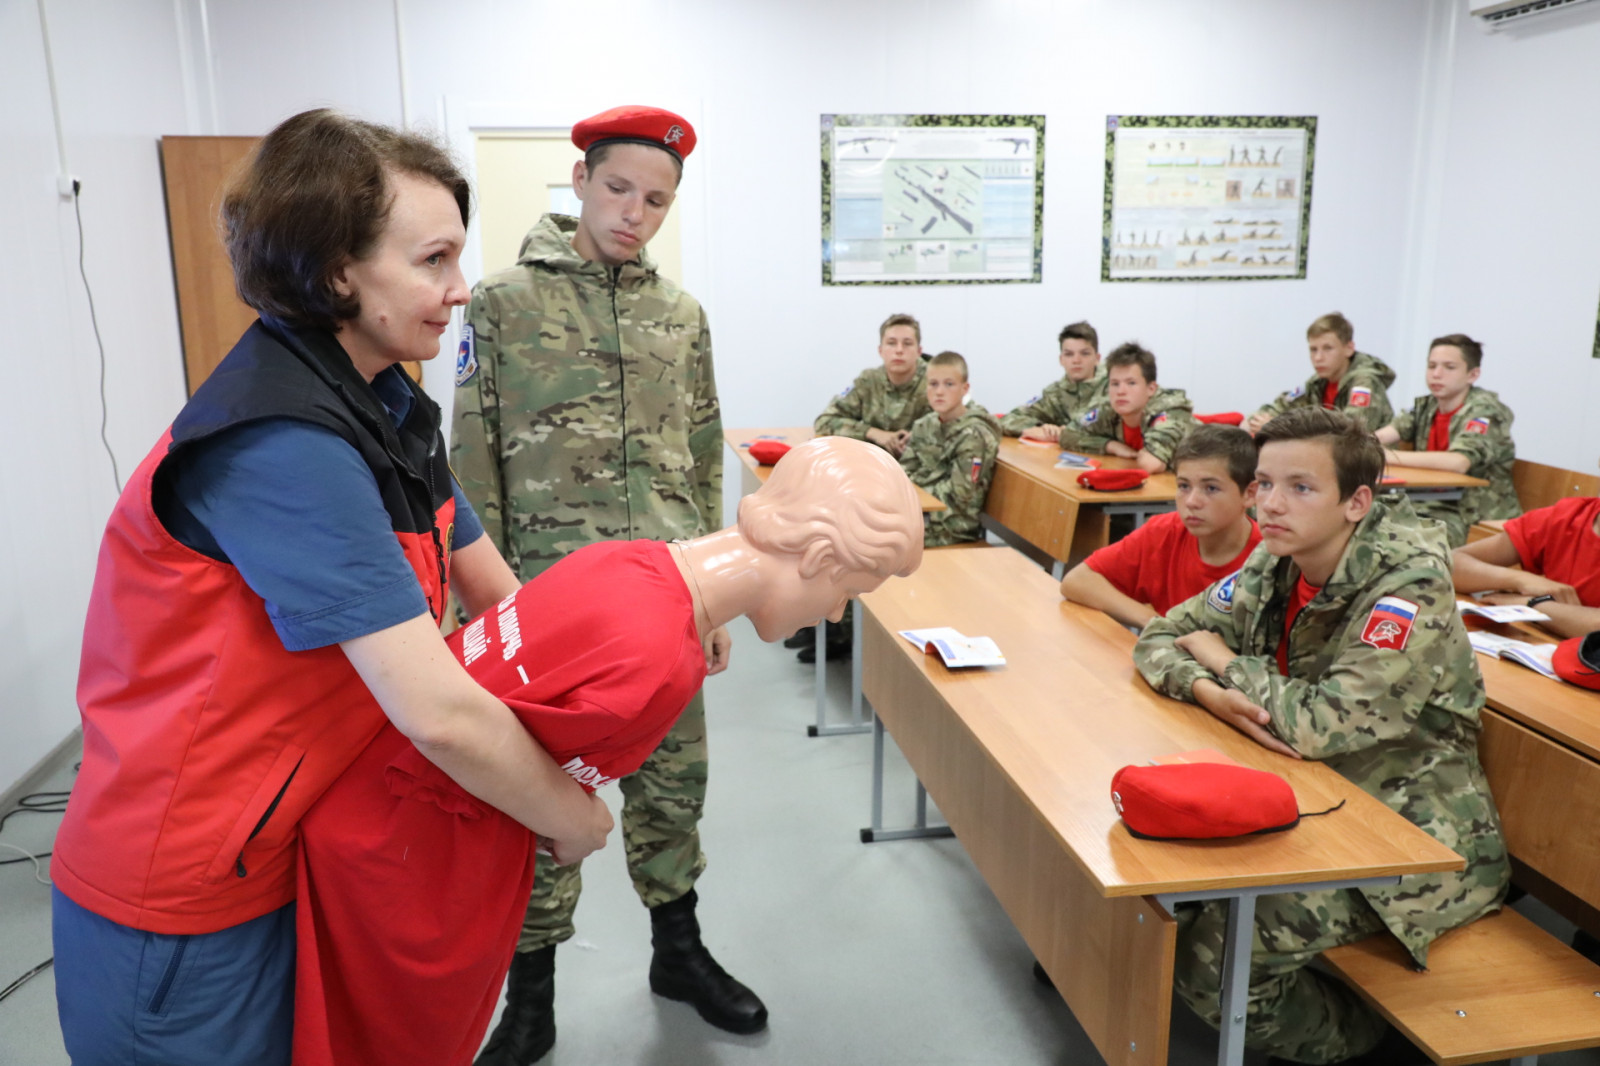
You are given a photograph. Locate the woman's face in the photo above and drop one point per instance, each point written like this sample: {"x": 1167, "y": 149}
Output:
{"x": 411, "y": 281}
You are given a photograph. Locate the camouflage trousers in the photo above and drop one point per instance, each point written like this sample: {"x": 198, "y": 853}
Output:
{"x": 1295, "y": 1012}
{"x": 661, "y": 804}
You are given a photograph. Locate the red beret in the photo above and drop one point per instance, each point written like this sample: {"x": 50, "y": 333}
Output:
{"x": 1577, "y": 660}
{"x": 767, "y": 452}
{"x": 633, "y": 124}
{"x": 1202, "y": 800}
{"x": 1112, "y": 480}
{"x": 1225, "y": 418}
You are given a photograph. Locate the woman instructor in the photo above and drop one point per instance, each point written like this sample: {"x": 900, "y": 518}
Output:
{"x": 268, "y": 593}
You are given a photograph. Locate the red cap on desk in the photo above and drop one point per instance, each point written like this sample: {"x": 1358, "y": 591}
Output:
{"x": 1578, "y": 660}
{"x": 767, "y": 452}
{"x": 1202, "y": 801}
{"x": 1112, "y": 480}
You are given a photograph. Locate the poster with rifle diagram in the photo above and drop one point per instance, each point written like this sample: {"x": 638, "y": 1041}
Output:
{"x": 931, "y": 199}
{"x": 1206, "y": 197}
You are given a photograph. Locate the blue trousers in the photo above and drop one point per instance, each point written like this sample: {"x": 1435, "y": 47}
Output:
{"x": 131, "y": 998}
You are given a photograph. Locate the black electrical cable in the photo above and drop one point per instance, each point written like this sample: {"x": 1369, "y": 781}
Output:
{"x": 25, "y": 978}
{"x": 94, "y": 320}
{"x": 35, "y": 803}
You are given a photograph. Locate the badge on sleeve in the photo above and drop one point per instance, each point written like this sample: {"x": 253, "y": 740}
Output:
{"x": 1477, "y": 425}
{"x": 466, "y": 357}
{"x": 1221, "y": 595}
{"x": 1297, "y": 392}
{"x": 1158, "y": 419}
{"x": 1035, "y": 400}
{"x": 847, "y": 391}
{"x": 1360, "y": 396}
{"x": 1090, "y": 415}
{"x": 977, "y": 468}
{"x": 1389, "y": 624}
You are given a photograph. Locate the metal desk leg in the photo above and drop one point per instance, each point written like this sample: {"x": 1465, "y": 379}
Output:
{"x": 822, "y": 679}
{"x": 856, "y": 724}
{"x": 1058, "y": 569}
{"x": 876, "y": 831}
{"x": 857, "y": 700}
{"x": 1236, "y": 979}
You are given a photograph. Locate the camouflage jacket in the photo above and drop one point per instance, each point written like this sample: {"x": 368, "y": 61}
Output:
{"x": 1390, "y": 703}
{"x": 1168, "y": 418}
{"x": 1481, "y": 430}
{"x": 586, "y": 406}
{"x": 955, "y": 463}
{"x": 872, "y": 403}
{"x": 1368, "y": 377}
{"x": 1062, "y": 403}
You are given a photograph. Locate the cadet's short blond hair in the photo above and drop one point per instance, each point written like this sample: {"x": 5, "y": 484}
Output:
{"x": 873, "y": 522}
{"x": 954, "y": 359}
{"x": 900, "y": 320}
{"x": 1335, "y": 323}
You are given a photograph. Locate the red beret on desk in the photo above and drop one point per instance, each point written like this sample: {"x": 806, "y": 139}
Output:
{"x": 1202, "y": 800}
{"x": 1112, "y": 480}
{"x": 633, "y": 124}
{"x": 1577, "y": 660}
{"x": 767, "y": 452}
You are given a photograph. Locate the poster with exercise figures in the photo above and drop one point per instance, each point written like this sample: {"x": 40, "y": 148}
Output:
{"x": 1206, "y": 198}
{"x": 931, "y": 199}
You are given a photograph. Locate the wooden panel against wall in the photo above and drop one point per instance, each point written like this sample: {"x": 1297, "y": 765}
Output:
{"x": 195, "y": 170}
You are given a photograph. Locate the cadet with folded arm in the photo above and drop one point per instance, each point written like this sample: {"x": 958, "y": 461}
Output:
{"x": 1339, "y": 642}
{"x": 1139, "y": 420}
{"x": 1343, "y": 379}
{"x": 1062, "y": 402}
{"x": 952, "y": 453}
{"x": 883, "y": 402}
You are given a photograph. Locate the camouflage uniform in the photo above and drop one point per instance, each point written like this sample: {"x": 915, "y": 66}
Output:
{"x": 1168, "y": 418}
{"x": 955, "y": 463}
{"x": 1401, "y": 724}
{"x": 1366, "y": 372}
{"x": 1481, "y": 430}
{"x": 586, "y": 410}
{"x": 872, "y": 403}
{"x": 1062, "y": 403}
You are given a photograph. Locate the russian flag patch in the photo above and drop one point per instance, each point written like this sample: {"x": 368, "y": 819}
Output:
{"x": 1390, "y": 623}
{"x": 1360, "y": 397}
{"x": 1158, "y": 419}
{"x": 1477, "y": 425}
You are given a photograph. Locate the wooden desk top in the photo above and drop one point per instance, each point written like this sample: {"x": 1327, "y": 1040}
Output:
{"x": 1038, "y": 461}
{"x": 1565, "y": 713}
{"x": 741, "y": 439}
{"x": 1415, "y": 477}
{"x": 1070, "y": 710}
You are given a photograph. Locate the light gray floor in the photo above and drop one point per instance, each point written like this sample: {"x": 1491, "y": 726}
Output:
{"x": 881, "y": 954}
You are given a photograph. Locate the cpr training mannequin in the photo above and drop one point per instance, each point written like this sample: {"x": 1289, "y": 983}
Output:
{"x": 411, "y": 891}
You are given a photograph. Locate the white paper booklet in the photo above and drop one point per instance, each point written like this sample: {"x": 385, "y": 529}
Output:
{"x": 1073, "y": 461}
{"x": 1534, "y": 656}
{"x": 954, "y": 648}
{"x": 1510, "y": 612}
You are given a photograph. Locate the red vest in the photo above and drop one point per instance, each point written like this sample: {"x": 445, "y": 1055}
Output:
{"x": 204, "y": 740}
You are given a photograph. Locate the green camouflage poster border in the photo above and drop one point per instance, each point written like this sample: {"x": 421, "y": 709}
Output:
{"x": 1202, "y": 125}
{"x": 1027, "y": 249}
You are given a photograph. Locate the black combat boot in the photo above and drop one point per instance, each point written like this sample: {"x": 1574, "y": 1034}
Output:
{"x": 801, "y": 637}
{"x": 527, "y": 1029}
{"x": 682, "y": 969}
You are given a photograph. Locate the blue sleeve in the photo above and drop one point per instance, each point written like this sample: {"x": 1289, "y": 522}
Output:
{"x": 468, "y": 528}
{"x": 296, "y": 510}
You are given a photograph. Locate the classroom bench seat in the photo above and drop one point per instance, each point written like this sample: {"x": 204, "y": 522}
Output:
{"x": 1498, "y": 988}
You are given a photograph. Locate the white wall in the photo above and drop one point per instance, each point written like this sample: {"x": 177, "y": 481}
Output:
{"x": 1517, "y": 264}
{"x": 118, "y": 70}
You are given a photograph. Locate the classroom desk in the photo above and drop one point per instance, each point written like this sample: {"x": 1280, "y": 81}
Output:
{"x": 1020, "y": 760}
{"x": 751, "y": 477}
{"x": 1420, "y": 484}
{"x": 1540, "y": 747}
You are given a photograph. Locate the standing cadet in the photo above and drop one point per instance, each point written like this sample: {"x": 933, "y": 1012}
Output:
{"x": 883, "y": 401}
{"x": 1081, "y": 387}
{"x": 951, "y": 454}
{"x": 1342, "y": 378}
{"x": 1463, "y": 429}
{"x": 1340, "y": 642}
{"x": 586, "y": 410}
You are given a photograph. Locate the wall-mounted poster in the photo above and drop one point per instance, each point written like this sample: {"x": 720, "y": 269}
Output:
{"x": 1206, "y": 197}
{"x": 931, "y": 199}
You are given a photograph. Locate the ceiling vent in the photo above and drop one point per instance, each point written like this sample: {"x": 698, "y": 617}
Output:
{"x": 1498, "y": 14}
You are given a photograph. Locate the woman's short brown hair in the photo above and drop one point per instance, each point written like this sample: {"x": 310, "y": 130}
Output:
{"x": 314, "y": 196}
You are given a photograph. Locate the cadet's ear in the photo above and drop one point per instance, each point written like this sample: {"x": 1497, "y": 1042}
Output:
{"x": 1359, "y": 503}
{"x": 580, "y": 178}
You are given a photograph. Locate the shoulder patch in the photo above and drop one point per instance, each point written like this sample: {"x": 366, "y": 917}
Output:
{"x": 466, "y": 357}
{"x": 1090, "y": 415}
{"x": 848, "y": 389}
{"x": 1477, "y": 425}
{"x": 1158, "y": 419}
{"x": 1360, "y": 396}
{"x": 1389, "y": 624}
{"x": 977, "y": 468}
{"x": 1221, "y": 595}
{"x": 1297, "y": 392}
{"x": 1035, "y": 400}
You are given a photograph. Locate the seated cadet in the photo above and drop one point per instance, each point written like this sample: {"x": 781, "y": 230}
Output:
{"x": 1062, "y": 402}
{"x": 1139, "y": 420}
{"x": 882, "y": 402}
{"x": 1343, "y": 379}
{"x": 1460, "y": 428}
{"x": 1177, "y": 554}
{"x": 1558, "y": 548}
{"x": 1339, "y": 642}
{"x": 951, "y": 453}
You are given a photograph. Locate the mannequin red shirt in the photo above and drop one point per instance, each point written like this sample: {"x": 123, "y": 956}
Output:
{"x": 411, "y": 890}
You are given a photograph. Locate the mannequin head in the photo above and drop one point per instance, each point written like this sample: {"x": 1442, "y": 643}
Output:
{"x": 837, "y": 517}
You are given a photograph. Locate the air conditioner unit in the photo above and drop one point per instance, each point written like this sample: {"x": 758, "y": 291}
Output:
{"x": 1497, "y": 14}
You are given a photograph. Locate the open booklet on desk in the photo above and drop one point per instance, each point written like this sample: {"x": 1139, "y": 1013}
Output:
{"x": 954, "y": 648}
{"x": 1533, "y": 656}
{"x": 1502, "y": 612}
{"x": 1075, "y": 461}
